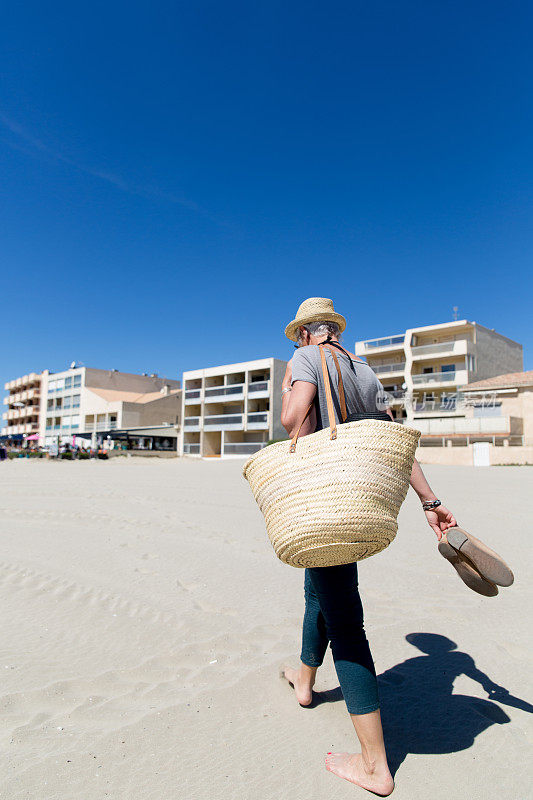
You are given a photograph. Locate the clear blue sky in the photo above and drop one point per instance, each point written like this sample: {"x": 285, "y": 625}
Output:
{"x": 177, "y": 177}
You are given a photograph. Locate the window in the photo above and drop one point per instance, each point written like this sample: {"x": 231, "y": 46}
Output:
{"x": 77, "y": 380}
{"x": 488, "y": 408}
{"x": 59, "y": 402}
{"x": 448, "y": 368}
{"x": 66, "y": 422}
{"x": 50, "y": 404}
{"x": 75, "y": 422}
{"x": 51, "y": 387}
{"x": 76, "y": 401}
{"x": 68, "y": 382}
{"x": 471, "y": 363}
{"x": 48, "y": 423}
{"x": 60, "y": 385}
{"x": 67, "y": 402}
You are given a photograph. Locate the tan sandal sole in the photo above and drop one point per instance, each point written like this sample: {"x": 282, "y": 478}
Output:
{"x": 486, "y": 561}
{"x": 466, "y": 571}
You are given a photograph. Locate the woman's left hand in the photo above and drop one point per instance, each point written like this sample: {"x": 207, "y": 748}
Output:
{"x": 440, "y": 519}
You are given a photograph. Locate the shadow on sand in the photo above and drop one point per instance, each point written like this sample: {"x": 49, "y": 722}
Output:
{"x": 419, "y": 711}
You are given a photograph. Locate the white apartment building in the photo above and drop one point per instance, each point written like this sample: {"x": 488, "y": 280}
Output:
{"x": 232, "y": 410}
{"x": 423, "y": 368}
{"x": 83, "y": 400}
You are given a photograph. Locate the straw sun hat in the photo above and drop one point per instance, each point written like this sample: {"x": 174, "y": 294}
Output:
{"x": 314, "y": 309}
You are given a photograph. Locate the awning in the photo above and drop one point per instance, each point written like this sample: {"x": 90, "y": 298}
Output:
{"x": 12, "y": 437}
{"x": 32, "y": 438}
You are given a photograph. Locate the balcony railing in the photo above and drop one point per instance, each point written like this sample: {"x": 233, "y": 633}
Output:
{"x": 242, "y": 448}
{"x": 191, "y": 422}
{"x": 192, "y": 394}
{"x": 387, "y": 342}
{"x": 191, "y": 449}
{"x": 258, "y": 419}
{"x": 468, "y": 425}
{"x": 101, "y": 426}
{"x": 258, "y": 386}
{"x": 437, "y": 347}
{"x": 224, "y": 391}
{"x": 383, "y": 368}
{"x": 219, "y": 420}
{"x": 434, "y": 377}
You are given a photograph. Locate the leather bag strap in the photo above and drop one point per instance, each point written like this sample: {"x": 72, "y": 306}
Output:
{"x": 342, "y": 399}
{"x": 357, "y": 393}
{"x": 329, "y": 398}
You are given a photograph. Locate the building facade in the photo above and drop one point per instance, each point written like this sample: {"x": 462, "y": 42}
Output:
{"x": 424, "y": 368}
{"x": 83, "y": 400}
{"x": 21, "y": 417}
{"x": 502, "y": 407}
{"x": 232, "y": 410}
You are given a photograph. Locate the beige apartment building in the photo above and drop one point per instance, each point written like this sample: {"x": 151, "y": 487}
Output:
{"x": 232, "y": 410}
{"x": 98, "y": 402}
{"x": 23, "y": 403}
{"x": 423, "y": 370}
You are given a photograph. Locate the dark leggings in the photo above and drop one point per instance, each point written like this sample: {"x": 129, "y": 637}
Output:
{"x": 334, "y": 613}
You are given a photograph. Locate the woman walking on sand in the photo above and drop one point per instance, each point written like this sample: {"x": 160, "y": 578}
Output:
{"x": 333, "y": 610}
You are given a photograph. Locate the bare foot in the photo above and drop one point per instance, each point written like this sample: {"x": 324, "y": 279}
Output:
{"x": 351, "y": 767}
{"x": 302, "y": 689}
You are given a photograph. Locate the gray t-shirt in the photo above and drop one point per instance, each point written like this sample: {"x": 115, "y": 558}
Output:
{"x": 362, "y": 390}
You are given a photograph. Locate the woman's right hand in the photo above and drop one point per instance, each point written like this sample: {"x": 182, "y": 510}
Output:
{"x": 440, "y": 519}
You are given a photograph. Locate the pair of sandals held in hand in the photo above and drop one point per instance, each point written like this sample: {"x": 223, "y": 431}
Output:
{"x": 479, "y": 567}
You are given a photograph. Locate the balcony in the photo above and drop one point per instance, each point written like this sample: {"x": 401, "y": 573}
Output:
{"x": 454, "y": 378}
{"x": 191, "y": 423}
{"x": 234, "y": 391}
{"x": 442, "y": 349}
{"x": 257, "y": 420}
{"x": 258, "y": 389}
{"x": 224, "y": 422}
{"x": 379, "y": 345}
{"x": 192, "y": 396}
{"x": 382, "y": 369}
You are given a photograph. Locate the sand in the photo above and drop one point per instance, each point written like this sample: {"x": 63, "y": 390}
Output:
{"x": 145, "y": 618}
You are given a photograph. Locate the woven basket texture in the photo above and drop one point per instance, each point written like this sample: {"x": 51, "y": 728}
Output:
{"x": 335, "y": 501}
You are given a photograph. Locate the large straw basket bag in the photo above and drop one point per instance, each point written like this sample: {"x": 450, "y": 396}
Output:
{"x": 332, "y": 497}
